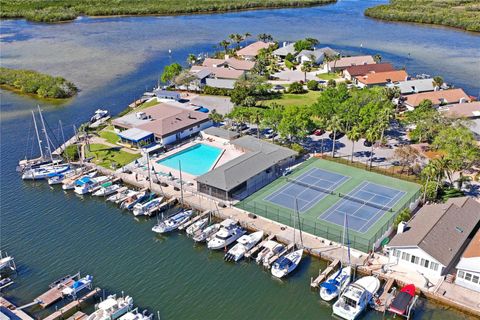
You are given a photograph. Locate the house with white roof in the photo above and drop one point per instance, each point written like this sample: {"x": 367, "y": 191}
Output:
{"x": 433, "y": 240}
{"x": 415, "y": 86}
{"x": 468, "y": 268}
{"x": 316, "y": 56}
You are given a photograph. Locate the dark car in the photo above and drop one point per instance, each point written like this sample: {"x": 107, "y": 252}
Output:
{"x": 367, "y": 143}
{"x": 338, "y": 135}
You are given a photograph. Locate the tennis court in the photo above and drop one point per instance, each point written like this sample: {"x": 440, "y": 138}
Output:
{"x": 363, "y": 206}
{"x": 307, "y": 189}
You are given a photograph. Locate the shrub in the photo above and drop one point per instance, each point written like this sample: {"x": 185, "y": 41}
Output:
{"x": 312, "y": 85}
{"x": 298, "y": 148}
{"x": 404, "y": 215}
{"x": 71, "y": 152}
{"x": 331, "y": 83}
{"x": 296, "y": 88}
{"x": 216, "y": 91}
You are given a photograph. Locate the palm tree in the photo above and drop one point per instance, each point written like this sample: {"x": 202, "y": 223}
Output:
{"x": 334, "y": 124}
{"x": 437, "y": 81}
{"x": 377, "y": 58}
{"x": 335, "y": 58}
{"x": 265, "y": 37}
{"x": 384, "y": 118}
{"x": 372, "y": 135}
{"x": 354, "y": 135}
{"x": 236, "y": 38}
{"x": 246, "y": 35}
{"x": 224, "y": 44}
{"x": 462, "y": 180}
{"x": 306, "y": 67}
{"x": 191, "y": 59}
{"x": 429, "y": 172}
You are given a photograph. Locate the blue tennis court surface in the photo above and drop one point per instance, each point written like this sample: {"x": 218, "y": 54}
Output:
{"x": 307, "y": 196}
{"x": 368, "y": 202}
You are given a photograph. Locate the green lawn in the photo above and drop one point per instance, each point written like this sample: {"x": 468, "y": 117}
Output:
{"x": 327, "y": 76}
{"x": 145, "y": 105}
{"x": 288, "y": 99}
{"x": 109, "y": 135}
{"x": 107, "y": 156}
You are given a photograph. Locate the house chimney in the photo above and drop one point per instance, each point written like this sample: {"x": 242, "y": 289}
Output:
{"x": 227, "y": 57}
{"x": 401, "y": 227}
{"x": 284, "y": 44}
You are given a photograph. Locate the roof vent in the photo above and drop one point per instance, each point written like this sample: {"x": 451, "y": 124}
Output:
{"x": 459, "y": 229}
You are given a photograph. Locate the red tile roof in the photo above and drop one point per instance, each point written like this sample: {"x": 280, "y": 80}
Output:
{"x": 383, "y": 77}
{"x": 438, "y": 97}
{"x": 363, "y": 69}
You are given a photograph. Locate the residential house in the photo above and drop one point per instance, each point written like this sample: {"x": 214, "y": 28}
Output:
{"x": 361, "y": 70}
{"x": 415, "y": 86}
{"x": 282, "y": 52}
{"x": 345, "y": 62}
{"x": 230, "y": 63}
{"x": 470, "y": 110}
{"x": 316, "y": 56}
{"x": 441, "y": 97}
{"x": 432, "y": 241}
{"x": 215, "y": 76}
{"x": 168, "y": 124}
{"x": 468, "y": 269}
{"x": 380, "y": 78}
{"x": 250, "y": 52}
{"x": 261, "y": 163}
{"x": 166, "y": 94}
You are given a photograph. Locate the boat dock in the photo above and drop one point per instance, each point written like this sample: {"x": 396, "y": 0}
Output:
{"x": 382, "y": 302}
{"x": 79, "y": 315}
{"x": 254, "y": 250}
{"x": 74, "y": 304}
{"x": 278, "y": 255}
{"x": 54, "y": 294}
{"x": 324, "y": 274}
{"x": 165, "y": 205}
{"x": 192, "y": 221}
{"x": 19, "y": 313}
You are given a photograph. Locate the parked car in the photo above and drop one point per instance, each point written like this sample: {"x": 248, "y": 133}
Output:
{"x": 240, "y": 126}
{"x": 202, "y": 109}
{"x": 338, "y": 135}
{"x": 318, "y": 132}
{"x": 367, "y": 143}
{"x": 278, "y": 88}
{"x": 252, "y": 131}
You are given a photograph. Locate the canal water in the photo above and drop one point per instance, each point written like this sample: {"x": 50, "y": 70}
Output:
{"x": 113, "y": 61}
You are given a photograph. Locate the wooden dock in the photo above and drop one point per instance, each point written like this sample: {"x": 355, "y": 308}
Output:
{"x": 278, "y": 255}
{"x": 192, "y": 221}
{"x": 79, "y": 315}
{"x": 382, "y": 300}
{"x": 258, "y": 246}
{"x": 74, "y": 304}
{"x": 324, "y": 274}
{"x": 166, "y": 205}
{"x": 54, "y": 294}
{"x": 13, "y": 308}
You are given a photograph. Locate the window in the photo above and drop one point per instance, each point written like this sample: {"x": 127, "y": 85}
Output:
{"x": 434, "y": 266}
{"x": 414, "y": 259}
{"x": 424, "y": 263}
{"x": 405, "y": 256}
{"x": 475, "y": 279}
{"x": 468, "y": 276}
{"x": 396, "y": 253}
{"x": 461, "y": 274}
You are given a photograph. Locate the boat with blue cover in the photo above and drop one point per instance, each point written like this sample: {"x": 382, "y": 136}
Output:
{"x": 172, "y": 223}
{"x": 77, "y": 286}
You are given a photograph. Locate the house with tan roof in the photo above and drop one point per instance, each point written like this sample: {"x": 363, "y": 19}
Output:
{"x": 441, "y": 97}
{"x": 433, "y": 240}
{"x": 345, "y": 62}
{"x": 470, "y": 110}
{"x": 218, "y": 77}
{"x": 361, "y": 70}
{"x": 250, "y": 52}
{"x": 380, "y": 78}
{"x": 230, "y": 63}
{"x": 168, "y": 124}
{"x": 468, "y": 268}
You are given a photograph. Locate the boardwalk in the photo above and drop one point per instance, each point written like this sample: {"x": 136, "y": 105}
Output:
{"x": 74, "y": 304}
{"x": 54, "y": 294}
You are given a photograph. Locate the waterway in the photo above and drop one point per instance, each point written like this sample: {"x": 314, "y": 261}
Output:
{"x": 114, "y": 60}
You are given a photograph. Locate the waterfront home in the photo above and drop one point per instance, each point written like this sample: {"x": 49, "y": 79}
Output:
{"x": 168, "y": 124}
{"x": 230, "y": 63}
{"x": 215, "y": 77}
{"x": 345, "y": 62}
{"x": 315, "y": 56}
{"x": 166, "y": 94}
{"x": 250, "y": 52}
{"x": 380, "y": 78}
{"x": 432, "y": 241}
{"x": 468, "y": 268}
{"x": 470, "y": 110}
{"x": 261, "y": 163}
{"x": 361, "y": 70}
{"x": 284, "y": 50}
{"x": 415, "y": 86}
{"x": 441, "y": 97}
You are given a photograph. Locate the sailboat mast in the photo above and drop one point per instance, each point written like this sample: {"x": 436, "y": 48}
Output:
{"x": 181, "y": 180}
{"x": 45, "y": 132}
{"x": 38, "y": 135}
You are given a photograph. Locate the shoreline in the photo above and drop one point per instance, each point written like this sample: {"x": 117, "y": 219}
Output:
{"x": 56, "y": 101}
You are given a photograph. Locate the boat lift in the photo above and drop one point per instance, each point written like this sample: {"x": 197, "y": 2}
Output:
{"x": 7, "y": 262}
{"x": 409, "y": 309}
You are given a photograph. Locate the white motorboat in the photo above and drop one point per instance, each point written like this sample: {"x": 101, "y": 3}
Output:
{"x": 269, "y": 249}
{"x": 135, "y": 315}
{"x": 122, "y": 192}
{"x": 70, "y": 183}
{"x": 196, "y": 226}
{"x": 99, "y": 114}
{"x": 204, "y": 234}
{"x": 77, "y": 286}
{"x": 107, "y": 189}
{"x": 44, "y": 171}
{"x": 130, "y": 194}
{"x": 6, "y": 262}
{"x": 173, "y": 222}
{"x": 287, "y": 263}
{"x": 335, "y": 284}
{"x": 112, "y": 308}
{"x": 87, "y": 185}
{"x": 228, "y": 233}
{"x": 356, "y": 298}
{"x": 140, "y": 197}
{"x": 147, "y": 208}
{"x": 58, "y": 178}
{"x": 244, "y": 243}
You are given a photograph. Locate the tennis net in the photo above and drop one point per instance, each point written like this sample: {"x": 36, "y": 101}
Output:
{"x": 374, "y": 205}
{"x": 306, "y": 185}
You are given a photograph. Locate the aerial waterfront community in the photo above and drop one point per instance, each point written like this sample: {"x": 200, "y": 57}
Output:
{"x": 277, "y": 153}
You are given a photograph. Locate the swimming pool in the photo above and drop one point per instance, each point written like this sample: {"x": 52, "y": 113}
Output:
{"x": 196, "y": 160}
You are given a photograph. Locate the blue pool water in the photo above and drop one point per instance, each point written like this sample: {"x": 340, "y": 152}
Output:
{"x": 196, "y": 160}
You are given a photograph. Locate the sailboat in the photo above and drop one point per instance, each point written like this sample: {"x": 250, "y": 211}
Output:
{"x": 338, "y": 281}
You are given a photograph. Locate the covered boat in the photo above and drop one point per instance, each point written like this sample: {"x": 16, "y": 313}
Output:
{"x": 402, "y": 302}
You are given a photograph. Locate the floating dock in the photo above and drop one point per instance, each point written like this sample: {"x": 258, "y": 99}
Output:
{"x": 79, "y": 315}
{"x": 192, "y": 221}
{"x": 165, "y": 205}
{"x": 324, "y": 274}
{"x": 381, "y": 304}
{"x": 54, "y": 294}
{"x": 20, "y": 314}
{"x": 74, "y": 304}
{"x": 254, "y": 250}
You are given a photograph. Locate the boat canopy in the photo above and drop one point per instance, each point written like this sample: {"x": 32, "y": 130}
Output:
{"x": 54, "y": 174}
{"x": 329, "y": 286}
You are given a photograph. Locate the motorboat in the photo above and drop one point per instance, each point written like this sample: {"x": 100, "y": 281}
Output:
{"x": 244, "y": 243}
{"x": 147, "y": 208}
{"x": 99, "y": 114}
{"x": 228, "y": 233}
{"x": 287, "y": 263}
{"x": 6, "y": 262}
{"x": 87, "y": 184}
{"x": 58, "y": 178}
{"x": 206, "y": 233}
{"x": 42, "y": 172}
{"x": 77, "y": 286}
{"x": 70, "y": 183}
{"x": 123, "y": 192}
{"x": 136, "y": 315}
{"x": 356, "y": 298}
{"x": 403, "y": 302}
{"x": 107, "y": 189}
{"x": 112, "y": 308}
{"x": 129, "y": 194}
{"x": 335, "y": 284}
{"x": 269, "y": 249}
{"x": 173, "y": 222}
{"x": 196, "y": 226}
{"x": 278, "y": 251}
{"x": 139, "y": 198}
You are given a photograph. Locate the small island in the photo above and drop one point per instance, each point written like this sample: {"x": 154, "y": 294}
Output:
{"x": 458, "y": 14}
{"x": 67, "y": 10}
{"x": 36, "y": 83}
